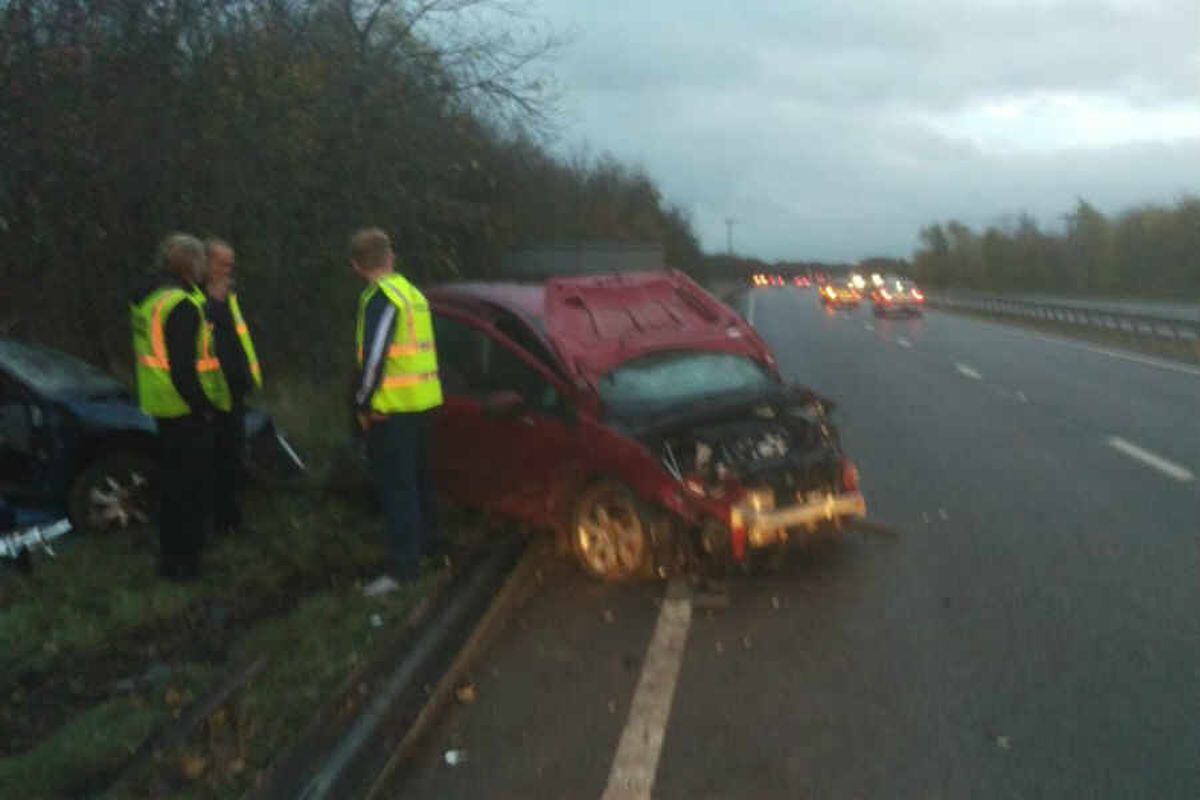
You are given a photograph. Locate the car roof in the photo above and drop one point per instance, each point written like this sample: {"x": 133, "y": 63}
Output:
{"x": 596, "y": 322}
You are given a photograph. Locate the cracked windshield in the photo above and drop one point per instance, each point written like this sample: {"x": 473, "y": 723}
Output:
{"x": 564, "y": 399}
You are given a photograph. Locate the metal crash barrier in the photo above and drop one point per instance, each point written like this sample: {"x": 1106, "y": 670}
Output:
{"x": 1129, "y": 324}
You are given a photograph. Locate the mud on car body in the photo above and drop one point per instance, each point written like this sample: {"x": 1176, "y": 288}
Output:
{"x": 637, "y": 416}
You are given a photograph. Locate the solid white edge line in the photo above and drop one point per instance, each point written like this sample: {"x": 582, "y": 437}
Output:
{"x": 1146, "y": 361}
{"x": 636, "y": 762}
{"x": 968, "y": 371}
{"x": 1168, "y": 468}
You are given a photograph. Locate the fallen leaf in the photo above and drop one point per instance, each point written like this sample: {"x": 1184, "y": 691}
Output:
{"x": 746, "y": 641}
{"x": 467, "y": 693}
{"x": 192, "y": 766}
{"x": 612, "y": 706}
{"x": 720, "y": 647}
{"x": 173, "y": 698}
{"x": 775, "y": 602}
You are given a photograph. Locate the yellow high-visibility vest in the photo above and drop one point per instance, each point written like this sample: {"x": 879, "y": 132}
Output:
{"x": 157, "y": 395}
{"x": 410, "y": 372}
{"x": 216, "y": 386}
{"x": 243, "y": 332}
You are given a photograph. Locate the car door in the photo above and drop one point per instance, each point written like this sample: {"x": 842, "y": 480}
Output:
{"x": 19, "y": 466}
{"x": 511, "y": 462}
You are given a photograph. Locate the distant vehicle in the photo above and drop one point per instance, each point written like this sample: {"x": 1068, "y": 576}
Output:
{"x": 840, "y": 295}
{"x": 637, "y": 416}
{"x": 73, "y": 440}
{"x": 858, "y": 282}
{"x": 897, "y": 296}
{"x": 762, "y": 280}
{"x": 802, "y": 281}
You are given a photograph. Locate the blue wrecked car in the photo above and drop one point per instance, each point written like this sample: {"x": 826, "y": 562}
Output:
{"x": 73, "y": 441}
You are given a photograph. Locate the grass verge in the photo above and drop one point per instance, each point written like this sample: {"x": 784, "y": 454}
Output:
{"x": 97, "y": 653}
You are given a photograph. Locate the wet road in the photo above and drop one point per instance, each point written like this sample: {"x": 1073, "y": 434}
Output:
{"x": 1034, "y": 631}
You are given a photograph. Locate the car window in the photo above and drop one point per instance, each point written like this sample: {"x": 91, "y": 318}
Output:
{"x": 680, "y": 379}
{"x": 476, "y": 365}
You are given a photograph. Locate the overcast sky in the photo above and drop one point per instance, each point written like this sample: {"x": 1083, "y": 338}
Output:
{"x": 833, "y": 129}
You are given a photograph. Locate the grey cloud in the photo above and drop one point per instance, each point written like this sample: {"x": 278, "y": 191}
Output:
{"x": 810, "y": 121}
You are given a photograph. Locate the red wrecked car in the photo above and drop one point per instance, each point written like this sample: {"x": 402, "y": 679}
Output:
{"x": 637, "y": 416}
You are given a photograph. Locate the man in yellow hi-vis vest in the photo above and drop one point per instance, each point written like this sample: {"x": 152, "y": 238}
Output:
{"x": 242, "y": 375}
{"x": 175, "y": 368}
{"x": 397, "y": 388}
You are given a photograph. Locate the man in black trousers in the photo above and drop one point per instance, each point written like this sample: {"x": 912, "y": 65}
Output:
{"x": 241, "y": 373}
{"x": 175, "y": 374}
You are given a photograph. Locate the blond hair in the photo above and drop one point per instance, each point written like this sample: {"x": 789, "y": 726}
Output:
{"x": 370, "y": 248}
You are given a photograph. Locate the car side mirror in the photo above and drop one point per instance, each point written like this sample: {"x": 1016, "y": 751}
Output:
{"x": 505, "y": 404}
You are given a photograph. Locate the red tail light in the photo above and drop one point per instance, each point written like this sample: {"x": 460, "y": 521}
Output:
{"x": 919, "y": 295}
{"x": 850, "y": 481}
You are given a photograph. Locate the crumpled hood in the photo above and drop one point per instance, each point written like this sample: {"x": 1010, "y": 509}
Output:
{"x": 597, "y": 323}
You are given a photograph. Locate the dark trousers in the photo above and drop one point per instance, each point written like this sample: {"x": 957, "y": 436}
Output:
{"x": 229, "y": 434}
{"x": 185, "y": 511}
{"x": 398, "y": 452}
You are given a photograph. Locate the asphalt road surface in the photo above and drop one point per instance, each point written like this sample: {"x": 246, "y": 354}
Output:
{"x": 1034, "y": 631}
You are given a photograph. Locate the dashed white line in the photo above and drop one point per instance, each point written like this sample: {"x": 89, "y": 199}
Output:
{"x": 868, "y": 326}
{"x": 1168, "y": 468}
{"x": 968, "y": 371}
{"x": 750, "y": 308}
{"x": 905, "y": 343}
{"x": 636, "y": 762}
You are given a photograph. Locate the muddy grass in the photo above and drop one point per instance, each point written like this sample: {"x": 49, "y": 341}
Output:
{"x": 99, "y": 653}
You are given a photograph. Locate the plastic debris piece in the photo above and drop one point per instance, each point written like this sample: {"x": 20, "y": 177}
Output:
{"x": 775, "y": 604}
{"x": 720, "y": 646}
{"x": 456, "y": 757}
{"x": 1003, "y": 743}
{"x": 376, "y": 621}
{"x": 746, "y": 643}
{"x": 609, "y": 616}
{"x": 942, "y": 513}
{"x": 612, "y": 706}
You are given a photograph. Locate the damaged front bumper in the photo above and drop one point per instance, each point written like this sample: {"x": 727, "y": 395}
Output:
{"x": 755, "y": 523}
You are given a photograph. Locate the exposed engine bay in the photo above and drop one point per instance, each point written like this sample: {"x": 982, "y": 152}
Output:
{"x": 784, "y": 446}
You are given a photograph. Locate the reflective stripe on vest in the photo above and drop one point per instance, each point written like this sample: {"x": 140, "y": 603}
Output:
{"x": 157, "y": 394}
{"x": 243, "y": 333}
{"x": 410, "y": 372}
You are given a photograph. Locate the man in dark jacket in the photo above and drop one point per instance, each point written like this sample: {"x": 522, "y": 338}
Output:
{"x": 171, "y": 347}
{"x": 229, "y": 427}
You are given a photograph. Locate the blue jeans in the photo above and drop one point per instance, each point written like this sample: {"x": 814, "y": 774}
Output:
{"x": 398, "y": 454}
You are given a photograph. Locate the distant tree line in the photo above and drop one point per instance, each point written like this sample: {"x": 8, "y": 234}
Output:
{"x": 1147, "y": 251}
{"x": 281, "y": 125}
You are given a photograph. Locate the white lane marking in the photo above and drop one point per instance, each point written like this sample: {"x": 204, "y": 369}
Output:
{"x": 750, "y": 308}
{"x": 963, "y": 369}
{"x": 1168, "y": 468}
{"x": 905, "y": 343}
{"x": 636, "y": 762}
{"x": 868, "y": 326}
{"x": 1021, "y": 396}
{"x": 1147, "y": 361}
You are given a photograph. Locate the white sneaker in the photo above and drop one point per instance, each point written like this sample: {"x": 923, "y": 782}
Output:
{"x": 381, "y": 586}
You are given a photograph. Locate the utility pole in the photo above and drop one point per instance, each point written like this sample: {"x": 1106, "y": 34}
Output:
{"x": 729, "y": 223}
